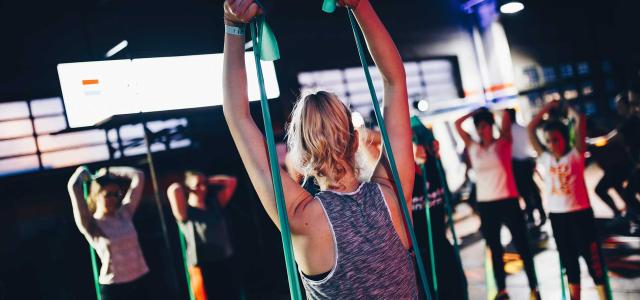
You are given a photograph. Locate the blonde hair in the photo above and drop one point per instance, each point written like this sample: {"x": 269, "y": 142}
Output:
{"x": 321, "y": 138}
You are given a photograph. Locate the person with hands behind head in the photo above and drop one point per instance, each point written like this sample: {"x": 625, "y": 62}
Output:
{"x": 105, "y": 219}
{"x": 497, "y": 194}
{"x": 449, "y": 274}
{"x": 349, "y": 240}
{"x": 197, "y": 204}
{"x": 570, "y": 212}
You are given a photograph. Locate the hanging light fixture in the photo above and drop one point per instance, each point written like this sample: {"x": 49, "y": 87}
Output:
{"x": 510, "y": 7}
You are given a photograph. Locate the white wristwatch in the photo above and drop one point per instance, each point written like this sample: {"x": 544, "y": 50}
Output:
{"x": 234, "y": 30}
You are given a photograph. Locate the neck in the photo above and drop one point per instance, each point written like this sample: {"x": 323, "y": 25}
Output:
{"x": 559, "y": 156}
{"x": 348, "y": 183}
{"x": 102, "y": 212}
{"x": 488, "y": 142}
{"x": 197, "y": 200}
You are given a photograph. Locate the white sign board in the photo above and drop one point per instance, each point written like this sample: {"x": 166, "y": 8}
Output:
{"x": 93, "y": 91}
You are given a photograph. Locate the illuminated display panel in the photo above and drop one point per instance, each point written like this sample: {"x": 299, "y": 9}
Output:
{"x": 93, "y": 91}
{"x": 435, "y": 80}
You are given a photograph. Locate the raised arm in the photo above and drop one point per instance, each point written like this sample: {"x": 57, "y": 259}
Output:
{"x": 395, "y": 100}
{"x": 466, "y": 137}
{"x": 505, "y": 127}
{"x": 228, "y": 186}
{"x": 580, "y": 130}
{"x": 245, "y": 133}
{"x": 177, "y": 200}
{"x": 133, "y": 195}
{"x": 81, "y": 213}
{"x": 533, "y": 126}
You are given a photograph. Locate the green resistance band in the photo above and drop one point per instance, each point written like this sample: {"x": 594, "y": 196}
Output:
{"x": 423, "y": 136}
{"x": 427, "y": 210}
{"x": 94, "y": 261}
{"x": 562, "y": 285}
{"x": 489, "y": 278}
{"x": 607, "y": 283}
{"x": 449, "y": 209}
{"x": 183, "y": 248}
{"x": 265, "y": 47}
{"x": 392, "y": 163}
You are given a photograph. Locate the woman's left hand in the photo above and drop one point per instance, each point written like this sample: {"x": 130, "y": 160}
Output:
{"x": 240, "y": 11}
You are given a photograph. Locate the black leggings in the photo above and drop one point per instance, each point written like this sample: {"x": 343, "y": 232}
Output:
{"x": 136, "y": 289}
{"x": 220, "y": 279}
{"x": 527, "y": 188}
{"x": 492, "y": 216}
{"x": 575, "y": 235}
{"x": 615, "y": 179}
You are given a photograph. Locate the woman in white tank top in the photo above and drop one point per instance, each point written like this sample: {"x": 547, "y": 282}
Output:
{"x": 497, "y": 194}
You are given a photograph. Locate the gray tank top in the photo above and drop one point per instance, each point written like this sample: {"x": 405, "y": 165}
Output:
{"x": 206, "y": 234}
{"x": 371, "y": 261}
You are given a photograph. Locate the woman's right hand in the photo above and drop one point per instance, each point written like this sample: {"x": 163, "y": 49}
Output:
{"x": 240, "y": 11}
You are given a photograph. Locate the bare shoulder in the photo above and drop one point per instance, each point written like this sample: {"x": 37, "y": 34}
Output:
{"x": 309, "y": 217}
{"x": 384, "y": 183}
{"x": 175, "y": 187}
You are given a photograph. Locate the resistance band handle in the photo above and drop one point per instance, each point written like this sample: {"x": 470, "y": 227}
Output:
{"x": 94, "y": 262}
{"x": 427, "y": 210}
{"x": 392, "y": 163}
{"x": 285, "y": 232}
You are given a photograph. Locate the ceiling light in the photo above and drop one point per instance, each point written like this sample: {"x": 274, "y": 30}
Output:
{"x": 511, "y": 7}
{"x": 423, "y": 105}
{"x": 117, "y": 48}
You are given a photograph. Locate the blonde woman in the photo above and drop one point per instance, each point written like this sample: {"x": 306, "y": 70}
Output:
{"x": 349, "y": 239}
{"x": 105, "y": 219}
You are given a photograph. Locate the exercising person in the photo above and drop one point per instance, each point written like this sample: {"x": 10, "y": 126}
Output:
{"x": 450, "y": 276}
{"x": 197, "y": 204}
{"x": 105, "y": 220}
{"x": 524, "y": 166}
{"x": 349, "y": 240}
{"x": 497, "y": 194}
{"x": 570, "y": 212}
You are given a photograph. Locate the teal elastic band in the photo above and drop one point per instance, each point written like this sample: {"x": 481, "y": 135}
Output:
{"x": 449, "y": 209}
{"x": 329, "y": 6}
{"x": 94, "y": 261}
{"x": 562, "y": 285}
{"x": 427, "y": 210}
{"x": 285, "y": 231}
{"x": 266, "y": 45}
{"x": 392, "y": 163}
{"x": 183, "y": 249}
